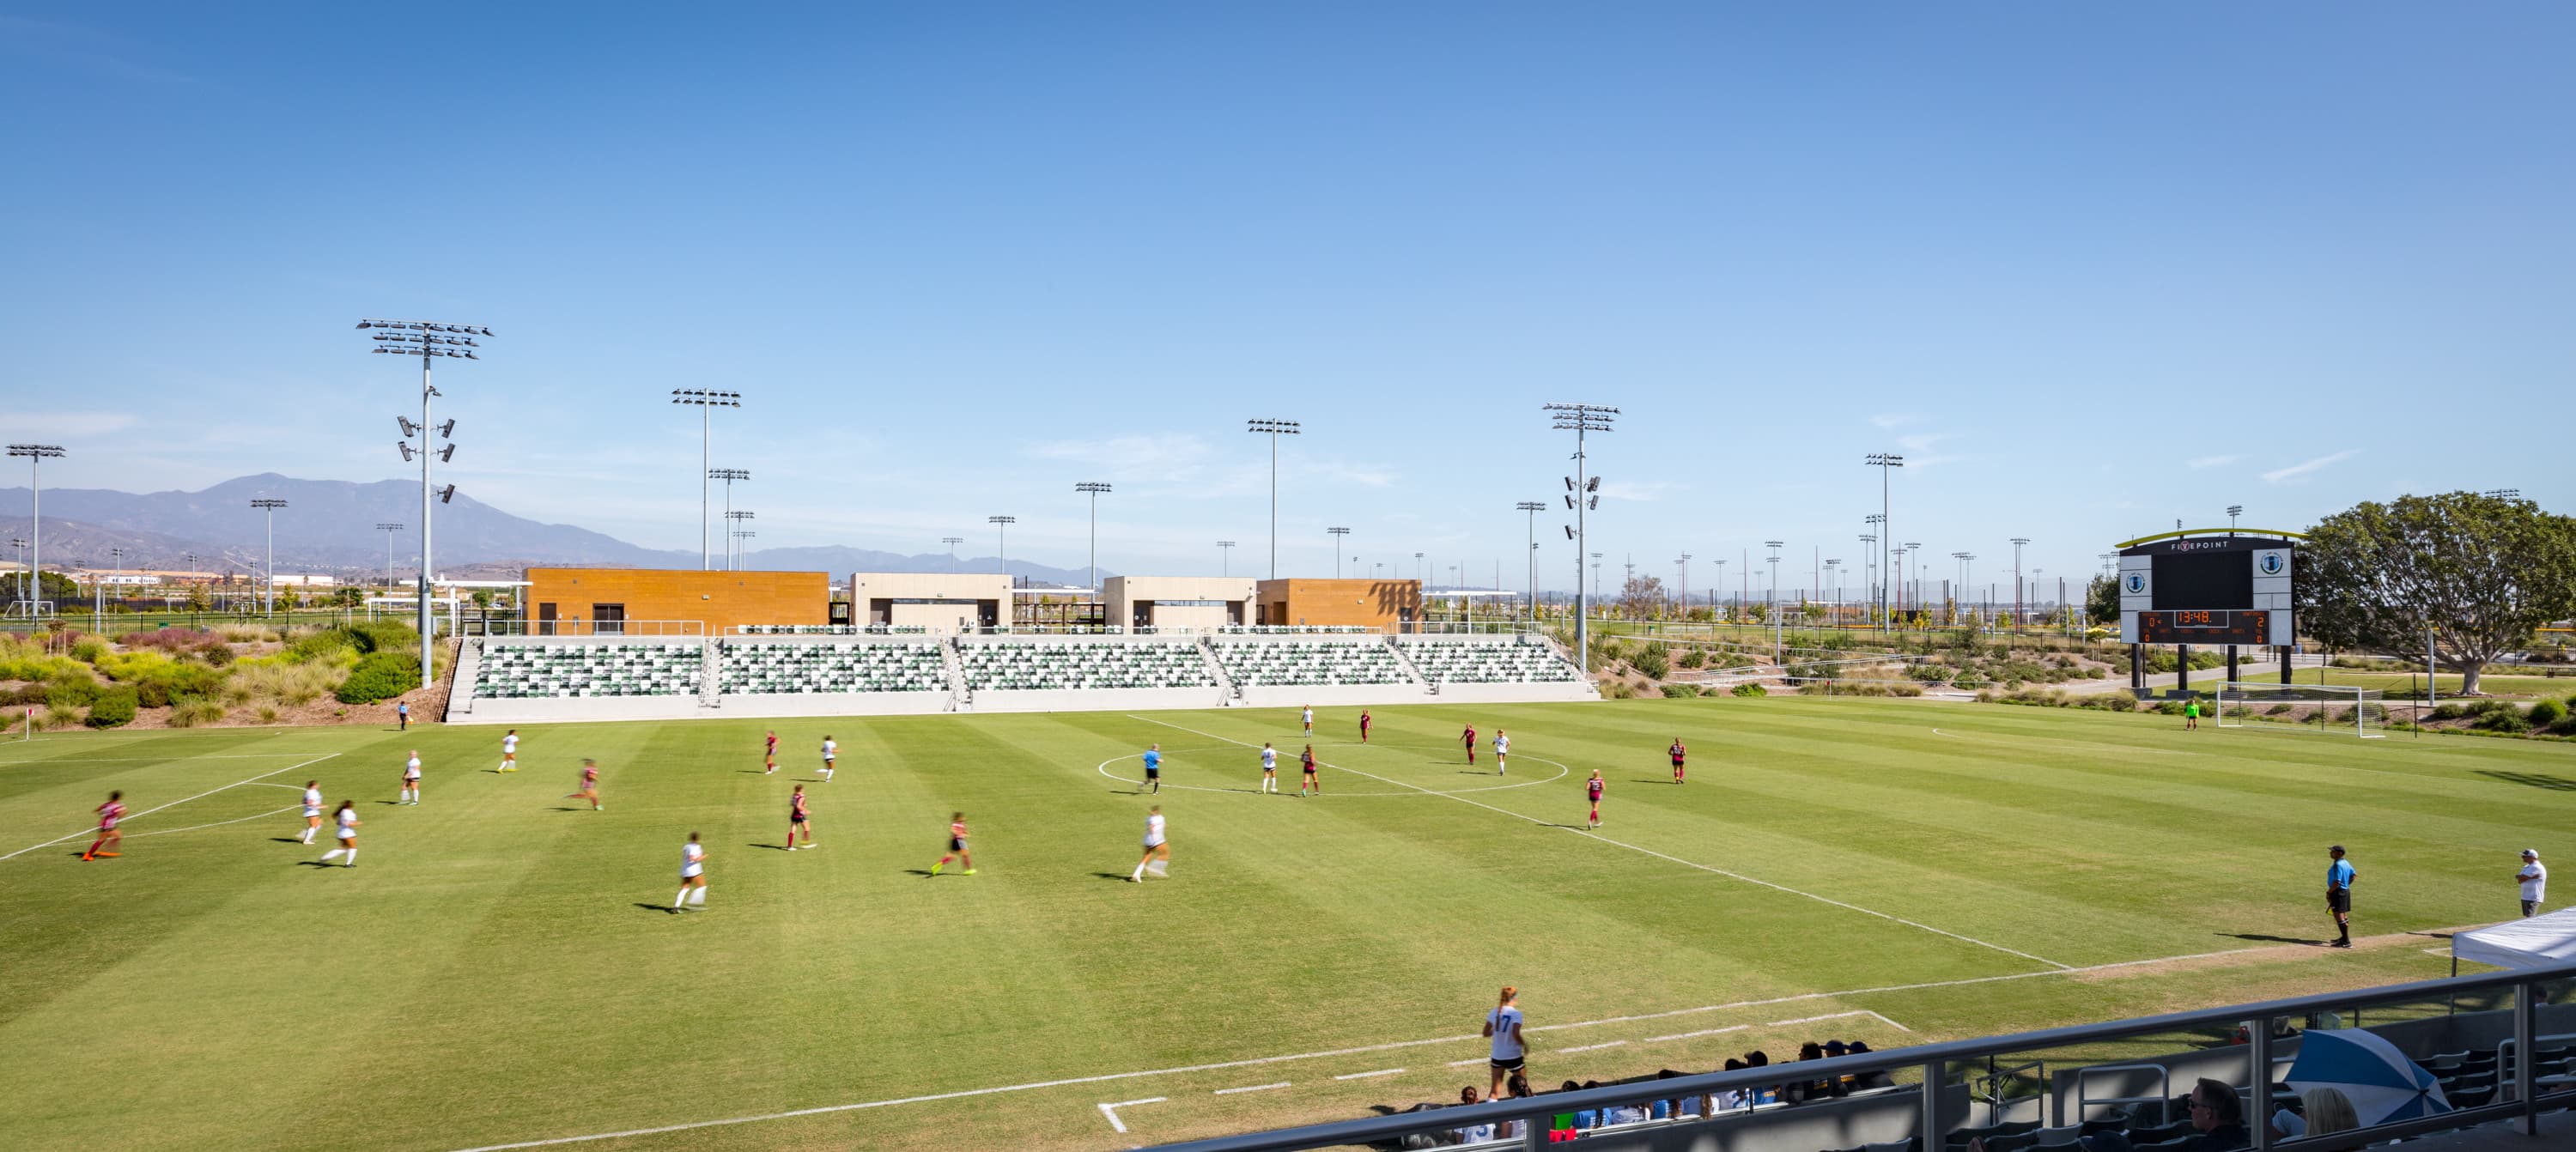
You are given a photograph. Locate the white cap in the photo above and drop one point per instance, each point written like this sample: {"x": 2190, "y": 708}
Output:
{"x": 2532, "y": 853}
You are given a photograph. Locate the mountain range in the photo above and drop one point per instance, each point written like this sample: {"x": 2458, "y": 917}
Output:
{"x": 330, "y": 526}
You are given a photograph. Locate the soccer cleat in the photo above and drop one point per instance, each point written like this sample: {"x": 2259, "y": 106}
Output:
{"x": 791, "y": 847}
{"x": 970, "y": 871}
{"x": 111, "y": 854}
{"x": 934, "y": 869}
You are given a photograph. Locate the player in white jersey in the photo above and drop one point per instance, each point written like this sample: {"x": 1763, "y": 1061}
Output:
{"x": 1502, "y": 748}
{"x": 1158, "y": 850}
{"x": 1269, "y": 768}
{"x": 1308, "y": 715}
{"x": 348, "y": 835}
{"x": 1503, "y": 1024}
{"x": 411, "y": 779}
{"x": 312, "y": 809}
{"x": 509, "y": 752}
{"x": 831, "y": 752}
{"x": 693, "y": 876}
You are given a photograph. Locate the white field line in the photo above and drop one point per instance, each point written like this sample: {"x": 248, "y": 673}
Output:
{"x": 1258, "y": 1061}
{"x": 1467, "y": 1061}
{"x": 174, "y": 804}
{"x": 1701, "y": 1032}
{"x": 218, "y": 823}
{"x": 1658, "y": 855}
{"x": 1111, "y": 1110}
{"x": 1367, "y": 1075}
{"x": 1251, "y": 1088}
{"x": 1594, "y": 1047}
{"x": 1841, "y": 1016}
{"x": 151, "y": 759}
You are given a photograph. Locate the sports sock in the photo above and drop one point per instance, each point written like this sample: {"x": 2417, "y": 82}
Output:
{"x": 326, "y": 857}
{"x": 308, "y": 835}
{"x": 698, "y": 896}
{"x": 680, "y": 901}
{"x": 353, "y": 857}
{"x": 1139, "y": 874}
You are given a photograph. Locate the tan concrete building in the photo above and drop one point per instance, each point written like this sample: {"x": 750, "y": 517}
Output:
{"x": 1392, "y": 605}
{"x": 943, "y": 600}
{"x": 1178, "y": 601}
{"x": 603, "y": 601}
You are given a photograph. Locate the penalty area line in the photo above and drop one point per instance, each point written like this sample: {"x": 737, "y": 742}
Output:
{"x": 1661, "y": 855}
{"x": 176, "y": 803}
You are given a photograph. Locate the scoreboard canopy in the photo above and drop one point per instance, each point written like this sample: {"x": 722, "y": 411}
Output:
{"x": 2213, "y": 589}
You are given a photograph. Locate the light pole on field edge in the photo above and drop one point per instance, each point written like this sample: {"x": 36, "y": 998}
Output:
{"x": 389, "y": 530}
{"x": 1533, "y": 507}
{"x": 36, "y": 455}
{"x": 733, "y": 547}
{"x": 1581, "y": 495}
{"x": 429, "y": 341}
{"x": 952, "y": 542}
{"x": 268, "y": 509}
{"x": 1274, "y": 429}
{"x": 728, "y": 475}
{"x": 2017, "y": 542}
{"x": 1338, "y": 535}
{"x": 1884, "y": 461}
{"x": 1002, "y": 543}
{"x": 1225, "y": 557}
{"x": 706, "y": 402}
{"x": 1093, "y": 489}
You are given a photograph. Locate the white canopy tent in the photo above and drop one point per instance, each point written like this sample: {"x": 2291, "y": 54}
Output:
{"x": 2533, "y": 942}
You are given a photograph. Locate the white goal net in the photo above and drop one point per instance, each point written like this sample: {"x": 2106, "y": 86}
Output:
{"x": 2314, "y": 707}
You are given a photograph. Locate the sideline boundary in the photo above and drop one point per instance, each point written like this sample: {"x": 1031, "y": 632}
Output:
{"x": 176, "y": 803}
{"x": 1258, "y": 1061}
{"x": 1658, "y": 855}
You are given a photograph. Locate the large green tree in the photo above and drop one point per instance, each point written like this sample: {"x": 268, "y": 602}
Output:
{"x": 2102, "y": 600}
{"x": 2476, "y": 573}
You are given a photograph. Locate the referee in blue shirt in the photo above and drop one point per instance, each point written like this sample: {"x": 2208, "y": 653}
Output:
{"x": 2339, "y": 895}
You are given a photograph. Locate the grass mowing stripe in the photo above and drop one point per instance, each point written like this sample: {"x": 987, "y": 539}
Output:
{"x": 1659, "y": 855}
{"x": 175, "y": 803}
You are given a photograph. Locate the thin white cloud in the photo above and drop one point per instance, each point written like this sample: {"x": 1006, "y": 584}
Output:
{"x": 67, "y": 425}
{"x": 1921, "y": 442}
{"x": 2210, "y": 461}
{"x": 2304, "y": 467}
{"x": 1893, "y": 419}
{"x": 1636, "y": 490}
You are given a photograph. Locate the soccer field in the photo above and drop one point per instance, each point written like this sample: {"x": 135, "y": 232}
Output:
{"x": 502, "y": 969}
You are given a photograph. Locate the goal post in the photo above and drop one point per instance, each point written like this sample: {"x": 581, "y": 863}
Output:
{"x": 2315, "y": 707}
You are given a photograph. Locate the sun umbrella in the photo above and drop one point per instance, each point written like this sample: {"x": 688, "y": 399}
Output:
{"x": 2381, "y": 1082}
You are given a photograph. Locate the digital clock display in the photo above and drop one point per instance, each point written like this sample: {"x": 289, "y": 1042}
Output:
{"x": 2206, "y": 627}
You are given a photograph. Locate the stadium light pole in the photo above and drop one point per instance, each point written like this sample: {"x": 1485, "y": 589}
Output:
{"x": 36, "y": 455}
{"x": 728, "y": 475}
{"x": 389, "y": 530}
{"x": 1002, "y": 543}
{"x": 18, "y": 545}
{"x": 1833, "y": 589}
{"x": 1532, "y": 507}
{"x": 2233, "y": 511}
{"x": 706, "y": 402}
{"x": 1685, "y": 563}
{"x": 268, "y": 509}
{"x": 1338, "y": 535}
{"x": 952, "y": 542}
{"x": 1581, "y": 493}
{"x": 738, "y": 535}
{"x": 1883, "y": 461}
{"x": 733, "y": 547}
{"x": 429, "y": 341}
{"x": 1596, "y": 581}
{"x": 1868, "y": 579}
{"x": 1225, "y": 557}
{"x": 2017, "y": 542}
{"x": 1771, "y": 599}
{"x": 1273, "y": 429}
{"x": 1712, "y": 591}
{"x": 1093, "y": 489}
{"x": 1914, "y": 548}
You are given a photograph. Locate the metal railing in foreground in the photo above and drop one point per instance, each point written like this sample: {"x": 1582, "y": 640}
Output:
{"x": 1938, "y": 1113}
{"x": 572, "y": 627}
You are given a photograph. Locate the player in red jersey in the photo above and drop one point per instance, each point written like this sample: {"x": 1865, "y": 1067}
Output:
{"x": 956, "y": 846}
{"x": 589, "y": 789}
{"x": 1470, "y": 741}
{"x": 108, "y": 814}
{"x": 1593, "y": 787}
{"x": 798, "y": 818}
{"x": 1677, "y": 751}
{"x": 1308, "y": 781}
{"x": 1364, "y": 725}
{"x": 769, "y": 756}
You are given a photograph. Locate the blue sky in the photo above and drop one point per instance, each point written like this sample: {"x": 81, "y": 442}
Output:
{"x": 2091, "y": 269}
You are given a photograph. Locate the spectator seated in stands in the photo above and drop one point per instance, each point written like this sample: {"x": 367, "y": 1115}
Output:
{"x": 2217, "y": 1123}
{"x": 1867, "y": 1080}
{"x": 2321, "y": 1111}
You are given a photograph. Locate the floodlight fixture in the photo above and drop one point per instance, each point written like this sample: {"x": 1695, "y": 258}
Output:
{"x": 706, "y": 401}
{"x": 404, "y": 446}
{"x": 446, "y": 454}
{"x": 446, "y": 494}
{"x": 428, "y": 340}
{"x": 1224, "y": 557}
{"x": 408, "y": 428}
{"x": 1582, "y": 420}
{"x": 36, "y": 455}
{"x": 1002, "y": 549}
{"x": 447, "y": 430}
{"x": 268, "y": 507}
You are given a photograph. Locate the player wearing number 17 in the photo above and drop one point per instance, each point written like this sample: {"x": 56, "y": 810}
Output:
{"x": 1158, "y": 849}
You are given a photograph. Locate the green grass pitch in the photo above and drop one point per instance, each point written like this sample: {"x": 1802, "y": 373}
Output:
{"x": 500, "y": 967}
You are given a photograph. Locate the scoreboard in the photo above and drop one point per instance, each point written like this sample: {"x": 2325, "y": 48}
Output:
{"x": 2209, "y": 590}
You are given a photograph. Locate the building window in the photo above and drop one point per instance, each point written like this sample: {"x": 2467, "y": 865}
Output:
{"x": 608, "y": 619}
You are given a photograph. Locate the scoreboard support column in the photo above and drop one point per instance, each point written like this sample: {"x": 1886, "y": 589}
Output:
{"x": 2231, "y": 663}
{"x": 2182, "y": 668}
{"x": 2137, "y": 670}
{"x": 2285, "y": 663}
